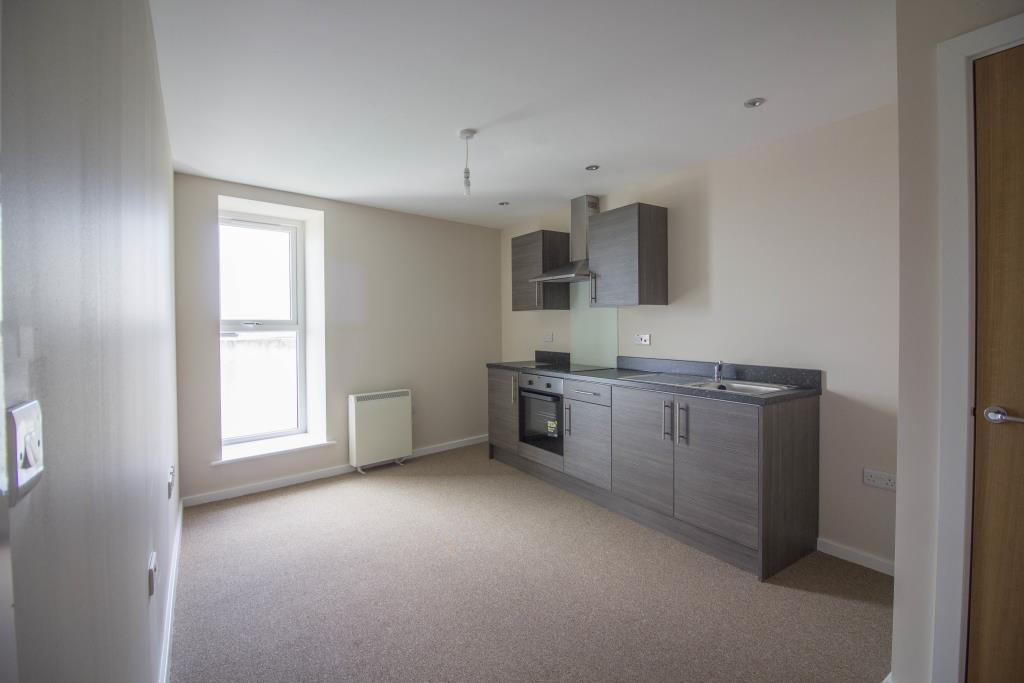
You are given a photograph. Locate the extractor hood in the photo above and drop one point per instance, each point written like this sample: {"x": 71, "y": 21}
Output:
{"x": 581, "y": 209}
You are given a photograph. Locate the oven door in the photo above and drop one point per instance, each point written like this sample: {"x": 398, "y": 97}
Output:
{"x": 540, "y": 420}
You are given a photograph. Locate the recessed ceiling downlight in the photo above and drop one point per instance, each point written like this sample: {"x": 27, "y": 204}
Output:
{"x": 754, "y": 102}
{"x": 502, "y": 203}
{"x": 593, "y": 167}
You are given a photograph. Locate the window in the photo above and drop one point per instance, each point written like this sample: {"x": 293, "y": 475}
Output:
{"x": 262, "y": 328}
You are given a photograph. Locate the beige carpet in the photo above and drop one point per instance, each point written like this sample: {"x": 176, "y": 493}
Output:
{"x": 458, "y": 568}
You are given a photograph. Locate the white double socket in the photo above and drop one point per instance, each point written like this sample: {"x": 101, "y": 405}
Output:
{"x": 24, "y": 462}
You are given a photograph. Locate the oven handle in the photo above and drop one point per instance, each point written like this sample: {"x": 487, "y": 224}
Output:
{"x": 540, "y": 397}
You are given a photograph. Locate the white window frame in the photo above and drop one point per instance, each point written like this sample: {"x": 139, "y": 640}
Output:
{"x": 295, "y": 323}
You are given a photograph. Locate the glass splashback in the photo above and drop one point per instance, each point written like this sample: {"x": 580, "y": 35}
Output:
{"x": 593, "y": 332}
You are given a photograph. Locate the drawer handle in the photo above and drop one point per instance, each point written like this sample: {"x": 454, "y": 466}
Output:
{"x": 588, "y": 393}
{"x": 666, "y": 405}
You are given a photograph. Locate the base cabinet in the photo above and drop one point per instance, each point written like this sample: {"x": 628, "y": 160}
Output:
{"x": 737, "y": 480}
{"x": 588, "y": 443}
{"x": 716, "y": 473}
{"x": 502, "y": 408}
{"x": 642, "y": 450}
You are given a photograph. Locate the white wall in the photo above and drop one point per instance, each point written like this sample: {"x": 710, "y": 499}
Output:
{"x": 786, "y": 254}
{"x": 411, "y": 302}
{"x": 921, "y": 26}
{"x": 89, "y": 331}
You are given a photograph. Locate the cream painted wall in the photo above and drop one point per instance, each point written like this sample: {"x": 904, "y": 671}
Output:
{"x": 921, "y": 26}
{"x": 412, "y": 302}
{"x": 88, "y": 287}
{"x": 786, "y": 254}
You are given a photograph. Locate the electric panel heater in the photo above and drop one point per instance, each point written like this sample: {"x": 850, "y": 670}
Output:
{"x": 379, "y": 427}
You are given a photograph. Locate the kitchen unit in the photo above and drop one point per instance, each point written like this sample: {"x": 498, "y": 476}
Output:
{"x": 628, "y": 256}
{"x": 532, "y": 254}
{"x": 731, "y": 469}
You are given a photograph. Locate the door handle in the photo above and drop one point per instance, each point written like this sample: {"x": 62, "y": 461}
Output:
{"x": 593, "y": 288}
{"x": 679, "y": 431}
{"x": 666, "y": 405}
{"x": 515, "y": 386}
{"x": 999, "y": 415}
{"x": 536, "y": 296}
{"x": 568, "y": 419}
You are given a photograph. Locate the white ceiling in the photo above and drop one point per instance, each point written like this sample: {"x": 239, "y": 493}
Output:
{"x": 362, "y": 100}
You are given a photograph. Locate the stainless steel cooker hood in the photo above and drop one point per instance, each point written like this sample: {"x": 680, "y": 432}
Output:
{"x": 581, "y": 209}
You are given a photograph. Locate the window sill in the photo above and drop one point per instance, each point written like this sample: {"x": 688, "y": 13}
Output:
{"x": 266, "y": 447}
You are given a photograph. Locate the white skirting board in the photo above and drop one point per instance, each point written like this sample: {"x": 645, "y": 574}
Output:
{"x": 303, "y": 477}
{"x": 172, "y": 584}
{"x": 845, "y": 552}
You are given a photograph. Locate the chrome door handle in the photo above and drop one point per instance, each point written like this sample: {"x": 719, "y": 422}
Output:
{"x": 593, "y": 288}
{"x": 666, "y": 405}
{"x": 568, "y": 419}
{"x": 588, "y": 393}
{"x": 998, "y": 415}
{"x": 679, "y": 430}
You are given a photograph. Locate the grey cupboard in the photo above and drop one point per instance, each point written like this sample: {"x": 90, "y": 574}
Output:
{"x": 533, "y": 254}
{"x": 642, "y": 449}
{"x": 502, "y": 408}
{"x": 628, "y": 256}
{"x": 588, "y": 445}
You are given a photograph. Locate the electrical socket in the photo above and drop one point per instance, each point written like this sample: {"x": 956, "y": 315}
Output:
{"x": 880, "y": 479}
{"x": 642, "y": 339}
{"x": 549, "y": 337}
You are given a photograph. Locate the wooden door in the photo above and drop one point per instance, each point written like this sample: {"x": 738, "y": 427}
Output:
{"x": 996, "y": 626}
{"x": 642, "y": 447}
{"x": 502, "y": 409}
{"x": 588, "y": 442}
{"x": 716, "y": 471}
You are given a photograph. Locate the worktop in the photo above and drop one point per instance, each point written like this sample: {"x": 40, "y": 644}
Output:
{"x": 808, "y": 382}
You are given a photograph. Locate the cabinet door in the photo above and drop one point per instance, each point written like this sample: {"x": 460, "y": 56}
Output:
{"x": 588, "y": 442}
{"x": 642, "y": 447}
{"x": 613, "y": 245}
{"x": 502, "y": 409}
{"x": 526, "y": 263}
{"x": 716, "y": 467}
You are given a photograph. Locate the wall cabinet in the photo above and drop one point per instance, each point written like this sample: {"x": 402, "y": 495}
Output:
{"x": 628, "y": 256}
{"x": 503, "y": 408}
{"x": 588, "y": 442}
{"x": 533, "y": 254}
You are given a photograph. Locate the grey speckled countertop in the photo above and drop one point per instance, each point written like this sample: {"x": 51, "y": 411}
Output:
{"x": 673, "y": 382}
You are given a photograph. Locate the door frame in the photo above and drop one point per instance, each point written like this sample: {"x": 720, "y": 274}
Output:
{"x": 955, "y": 108}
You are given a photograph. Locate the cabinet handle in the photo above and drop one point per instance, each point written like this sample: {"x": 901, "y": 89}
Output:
{"x": 593, "y": 288}
{"x": 515, "y": 386}
{"x": 666, "y": 405}
{"x": 536, "y": 296}
{"x": 568, "y": 419}
{"x": 679, "y": 433}
{"x": 588, "y": 393}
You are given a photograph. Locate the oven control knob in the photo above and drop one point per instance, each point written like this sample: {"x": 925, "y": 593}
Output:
{"x": 548, "y": 385}
{"x": 530, "y": 382}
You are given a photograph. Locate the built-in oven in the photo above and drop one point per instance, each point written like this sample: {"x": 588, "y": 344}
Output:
{"x": 540, "y": 411}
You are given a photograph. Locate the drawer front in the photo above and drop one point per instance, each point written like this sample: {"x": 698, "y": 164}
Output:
{"x": 591, "y": 392}
{"x": 542, "y": 383}
{"x": 541, "y": 456}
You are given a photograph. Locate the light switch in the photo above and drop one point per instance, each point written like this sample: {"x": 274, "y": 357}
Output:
{"x": 24, "y": 449}
{"x": 549, "y": 337}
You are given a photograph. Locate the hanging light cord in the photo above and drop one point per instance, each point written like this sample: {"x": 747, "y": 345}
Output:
{"x": 465, "y": 172}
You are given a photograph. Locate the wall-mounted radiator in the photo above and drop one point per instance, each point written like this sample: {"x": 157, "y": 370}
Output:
{"x": 379, "y": 427}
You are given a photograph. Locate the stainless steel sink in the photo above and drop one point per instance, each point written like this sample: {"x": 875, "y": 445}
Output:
{"x": 734, "y": 387}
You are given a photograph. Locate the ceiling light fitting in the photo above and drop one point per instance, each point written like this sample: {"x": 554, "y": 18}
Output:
{"x": 466, "y": 134}
{"x": 754, "y": 102}
{"x": 593, "y": 167}
{"x": 502, "y": 203}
